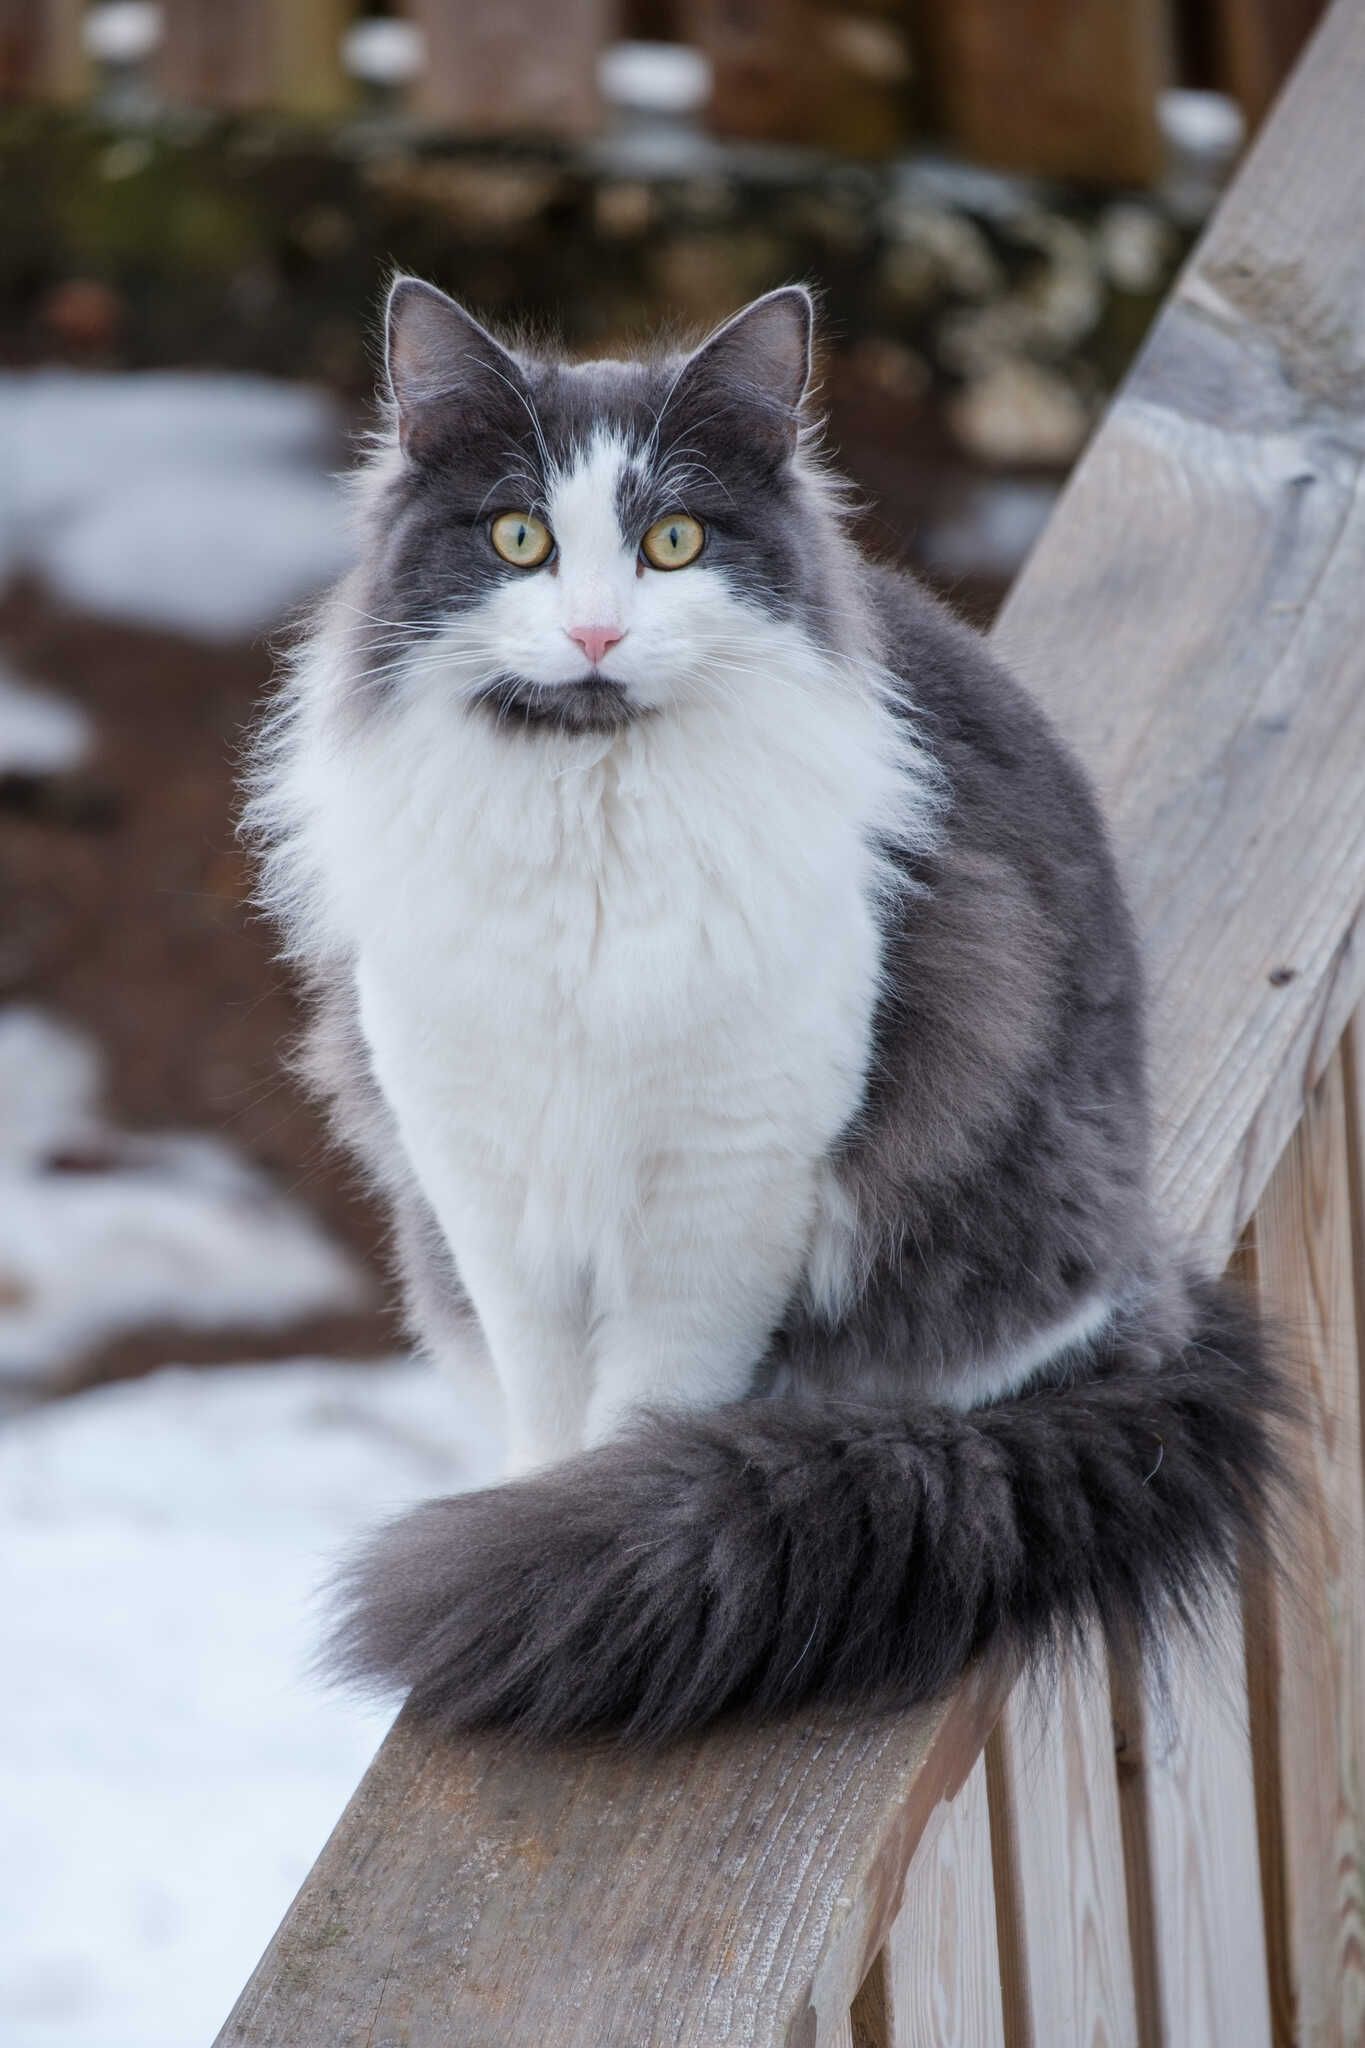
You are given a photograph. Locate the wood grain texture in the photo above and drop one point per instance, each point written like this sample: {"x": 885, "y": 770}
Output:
{"x": 1312, "y": 1629}
{"x": 1060, "y": 1872}
{"x": 940, "y": 1968}
{"x": 1067, "y": 88}
{"x": 1193, "y": 617}
{"x": 1353, "y": 1075}
{"x": 1190, "y": 1837}
{"x": 1198, "y": 1935}
{"x": 734, "y": 1892}
{"x": 1227, "y": 484}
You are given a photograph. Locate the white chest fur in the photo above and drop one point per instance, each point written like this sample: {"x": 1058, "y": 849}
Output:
{"x": 619, "y": 996}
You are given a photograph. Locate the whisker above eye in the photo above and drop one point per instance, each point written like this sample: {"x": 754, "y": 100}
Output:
{"x": 528, "y": 406}
{"x": 531, "y": 485}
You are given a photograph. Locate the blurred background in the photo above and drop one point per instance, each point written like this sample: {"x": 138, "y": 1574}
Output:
{"x": 202, "y": 1392}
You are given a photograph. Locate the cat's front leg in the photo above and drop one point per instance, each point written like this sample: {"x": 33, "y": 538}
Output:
{"x": 532, "y": 1316}
{"x": 477, "y": 1292}
{"x": 448, "y": 1111}
{"x": 719, "y": 1255}
{"x": 535, "y": 1334}
{"x": 649, "y": 1362}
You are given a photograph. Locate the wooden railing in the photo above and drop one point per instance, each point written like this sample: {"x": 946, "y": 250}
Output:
{"x": 1057, "y": 87}
{"x": 1101, "y": 1871}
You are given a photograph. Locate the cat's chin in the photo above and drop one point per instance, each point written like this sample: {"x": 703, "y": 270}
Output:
{"x": 593, "y": 704}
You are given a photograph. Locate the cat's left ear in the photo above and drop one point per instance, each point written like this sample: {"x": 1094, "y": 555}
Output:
{"x": 760, "y": 358}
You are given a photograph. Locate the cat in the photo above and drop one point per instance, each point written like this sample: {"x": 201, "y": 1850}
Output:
{"x": 722, "y": 969}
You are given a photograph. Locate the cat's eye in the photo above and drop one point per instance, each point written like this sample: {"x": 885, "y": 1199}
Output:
{"x": 673, "y": 543}
{"x": 521, "y": 539}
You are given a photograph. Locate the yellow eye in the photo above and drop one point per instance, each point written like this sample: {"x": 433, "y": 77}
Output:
{"x": 673, "y": 543}
{"x": 521, "y": 539}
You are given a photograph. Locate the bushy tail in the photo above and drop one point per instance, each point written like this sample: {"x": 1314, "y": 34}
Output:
{"x": 785, "y": 1552}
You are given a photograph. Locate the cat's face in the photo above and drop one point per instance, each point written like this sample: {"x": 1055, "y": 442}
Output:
{"x": 576, "y": 546}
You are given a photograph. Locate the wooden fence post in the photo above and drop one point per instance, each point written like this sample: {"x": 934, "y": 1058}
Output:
{"x": 42, "y": 52}
{"x": 1059, "y": 1866}
{"x": 247, "y": 56}
{"x": 937, "y": 1981}
{"x": 1256, "y": 45}
{"x": 806, "y": 71}
{"x": 1307, "y": 1666}
{"x": 522, "y": 67}
{"x": 1061, "y": 88}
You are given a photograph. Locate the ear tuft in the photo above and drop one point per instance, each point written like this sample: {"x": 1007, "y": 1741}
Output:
{"x": 436, "y": 354}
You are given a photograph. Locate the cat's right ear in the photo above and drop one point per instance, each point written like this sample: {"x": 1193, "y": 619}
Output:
{"x": 444, "y": 369}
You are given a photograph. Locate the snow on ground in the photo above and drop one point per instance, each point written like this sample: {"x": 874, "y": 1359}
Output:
{"x": 199, "y": 503}
{"x": 40, "y": 732}
{"x": 103, "y": 1231}
{"x": 167, "y": 1772}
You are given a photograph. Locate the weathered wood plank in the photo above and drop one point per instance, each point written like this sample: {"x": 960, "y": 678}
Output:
{"x": 1228, "y": 482}
{"x": 939, "y": 1973}
{"x": 1190, "y": 1813}
{"x": 1064, "y": 88}
{"x": 735, "y": 1891}
{"x": 1059, "y": 1867}
{"x": 1209, "y": 668}
{"x": 1193, "y": 617}
{"x": 1311, "y": 1634}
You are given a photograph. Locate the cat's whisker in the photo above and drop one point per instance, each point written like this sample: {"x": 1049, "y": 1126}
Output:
{"x": 528, "y": 405}
{"x": 524, "y": 477}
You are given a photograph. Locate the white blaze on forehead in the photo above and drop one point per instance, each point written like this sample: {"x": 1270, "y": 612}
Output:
{"x": 596, "y": 559}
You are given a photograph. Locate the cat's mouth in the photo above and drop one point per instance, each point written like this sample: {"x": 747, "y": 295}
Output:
{"x": 595, "y": 703}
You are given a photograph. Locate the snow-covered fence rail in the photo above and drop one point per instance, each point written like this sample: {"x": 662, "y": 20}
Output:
{"x": 1195, "y": 619}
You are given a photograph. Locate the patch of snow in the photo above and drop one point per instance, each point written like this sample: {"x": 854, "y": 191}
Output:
{"x": 948, "y": 182}
{"x": 1204, "y": 133}
{"x": 40, "y": 732}
{"x": 122, "y": 31}
{"x": 1206, "y": 124}
{"x": 382, "y": 51}
{"x": 104, "y": 1231}
{"x": 167, "y": 1771}
{"x": 198, "y": 503}
{"x": 669, "y": 79}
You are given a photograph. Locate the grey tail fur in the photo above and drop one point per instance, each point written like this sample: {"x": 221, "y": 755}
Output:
{"x": 781, "y": 1553}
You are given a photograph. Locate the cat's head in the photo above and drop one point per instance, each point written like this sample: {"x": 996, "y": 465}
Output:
{"x": 574, "y": 546}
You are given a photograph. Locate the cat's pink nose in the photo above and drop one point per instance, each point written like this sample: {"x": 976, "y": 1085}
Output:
{"x": 595, "y": 640}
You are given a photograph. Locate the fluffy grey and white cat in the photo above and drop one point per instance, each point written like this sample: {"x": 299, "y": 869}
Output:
{"x": 721, "y": 967}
